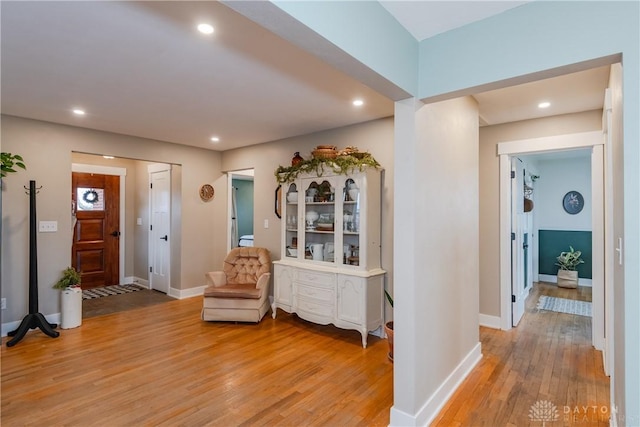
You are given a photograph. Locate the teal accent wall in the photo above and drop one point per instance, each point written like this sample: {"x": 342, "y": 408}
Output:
{"x": 244, "y": 203}
{"x": 552, "y": 242}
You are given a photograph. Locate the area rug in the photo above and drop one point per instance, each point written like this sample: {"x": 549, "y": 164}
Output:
{"x": 106, "y": 291}
{"x": 562, "y": 305}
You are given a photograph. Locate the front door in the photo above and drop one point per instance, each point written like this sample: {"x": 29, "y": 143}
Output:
{"x": 95, "y": 250}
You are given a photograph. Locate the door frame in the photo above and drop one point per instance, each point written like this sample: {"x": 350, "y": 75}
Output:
{"x": 231, "y": 175}
{"x": 601, "y": 201}
{"x": 153, "y": 168}
{"x": 518, "y": 259}
{"x": 122, "y": 173}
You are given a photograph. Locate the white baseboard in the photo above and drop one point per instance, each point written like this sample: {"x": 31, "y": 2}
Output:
{"x": 554, "y": 279}
{"x": 186, "y": 293}
{"x": 12, "y": 326}
{"x": 436, "y": 402}
{"x": 613, "y": 420}
{"x": 489, "y": 321}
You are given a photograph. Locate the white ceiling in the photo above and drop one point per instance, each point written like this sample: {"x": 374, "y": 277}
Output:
{"x": 424, "y": 19}
{"x": 141, "y": 68}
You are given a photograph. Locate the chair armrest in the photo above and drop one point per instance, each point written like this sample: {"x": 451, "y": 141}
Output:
{"x": 263, "y": 282}
{"x": 216, "y": 278}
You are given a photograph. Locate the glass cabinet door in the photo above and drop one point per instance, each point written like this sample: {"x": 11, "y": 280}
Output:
{"x": 319, "y": 219}
{"x": 350, "y": 222}
{"x": 291, "y": 217}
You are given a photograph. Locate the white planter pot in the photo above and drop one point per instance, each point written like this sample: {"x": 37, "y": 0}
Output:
{"x": 567, "y": 279}
{"x": 71, "y": 299}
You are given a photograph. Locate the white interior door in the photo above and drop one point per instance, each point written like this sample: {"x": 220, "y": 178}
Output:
{"x": 160, "y": 230}
{"x": 518, "y": 225}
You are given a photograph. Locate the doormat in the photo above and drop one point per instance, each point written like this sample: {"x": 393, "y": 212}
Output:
{"x": 562, "y": 305}
{"x": 106, "y": 291}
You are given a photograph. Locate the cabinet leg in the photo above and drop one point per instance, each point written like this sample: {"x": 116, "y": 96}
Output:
{"x": 364, "y": 339}
{"x": 273, "y": 311}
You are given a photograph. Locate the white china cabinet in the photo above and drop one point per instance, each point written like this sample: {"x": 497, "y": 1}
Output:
{"x": 330, "y": 268}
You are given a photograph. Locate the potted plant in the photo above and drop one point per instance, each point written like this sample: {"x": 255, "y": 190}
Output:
{"x": 568, "y": 262}
{"x": 71, "y": 298}
{"x": 388, "y": 327}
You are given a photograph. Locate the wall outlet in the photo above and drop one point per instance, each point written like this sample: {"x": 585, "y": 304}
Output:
{"x": 4, "y": 303}
{"x": 48, "y": 226}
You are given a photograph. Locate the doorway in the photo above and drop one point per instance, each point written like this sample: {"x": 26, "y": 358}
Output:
{"x": 588, "y": 140}
{"x": 160, "y": 227}
{"x": 97, "y": 207}
{"x": 135, "y": 213}
{"x": 241, "y": 199}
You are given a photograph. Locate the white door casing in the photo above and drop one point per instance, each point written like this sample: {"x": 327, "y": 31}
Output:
{"x": 160, "y": 227}
{"x": 518, "y": 286}
{"x": 549, "y": 144}
{"x": 122, "y": 173}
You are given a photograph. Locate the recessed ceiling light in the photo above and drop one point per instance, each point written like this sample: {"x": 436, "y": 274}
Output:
{"x": 78, "y": 112}
{"x": 108, "y": 157}
{"x": 205, "y": 29}
{"x": 215, "y": 139}
{"x": 544, "y": 104}
{"x": 358, "y": 102}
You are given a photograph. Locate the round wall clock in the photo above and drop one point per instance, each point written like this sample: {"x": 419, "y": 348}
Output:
{"x": 573, "y": 202}
{"x": 206, "y": 192}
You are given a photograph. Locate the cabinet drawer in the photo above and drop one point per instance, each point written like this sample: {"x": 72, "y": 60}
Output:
{"x": 315, "y": 292}
{"x": 314, "y": 308}
{"x": 326, "y": 280}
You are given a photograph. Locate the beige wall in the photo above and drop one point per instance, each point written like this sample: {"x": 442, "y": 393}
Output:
{"x": 490, "y": 136}
{"x": 375, "y": 137}
{"x": 436, "y": 253}
{"x": 47, "y": 148}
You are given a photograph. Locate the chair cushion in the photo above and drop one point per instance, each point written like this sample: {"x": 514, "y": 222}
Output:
{"x": 246, "y": 265}
{"x": 247, "y": 291}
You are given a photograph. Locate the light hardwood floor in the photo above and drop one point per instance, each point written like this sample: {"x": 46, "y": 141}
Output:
{"x": 548, "y": 357}
{"x": 161, "y": 365}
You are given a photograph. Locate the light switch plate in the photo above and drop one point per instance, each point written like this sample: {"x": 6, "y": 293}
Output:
{"x": 48, "y": 226}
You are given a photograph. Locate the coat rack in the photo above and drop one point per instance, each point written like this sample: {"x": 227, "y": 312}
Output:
{"x": 34, "y": 319}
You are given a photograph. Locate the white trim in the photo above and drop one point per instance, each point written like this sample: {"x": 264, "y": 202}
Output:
{"x": 151, "y": 169}
{"x": 121, "y": 172}
{"x": 158, "y": 167}
{"x": 187, "y": 293}
{"x": 12, "y": 326}
{"x": 551, "y": 143}
{"x": 243, "y": 174}
{"x": 597, "y": 246}
{"x": 528, "y": 146}
{"x": 505, "y": 248}
{"x": 489, "y": 321}
{"x": 436, "y": 402}
{"x": 609, "y": 262}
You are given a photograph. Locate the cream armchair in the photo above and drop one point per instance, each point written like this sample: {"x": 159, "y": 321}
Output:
{"x": 240, "y": 292}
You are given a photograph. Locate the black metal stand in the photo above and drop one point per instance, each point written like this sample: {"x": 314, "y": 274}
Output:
{"x": 34, "y": 319}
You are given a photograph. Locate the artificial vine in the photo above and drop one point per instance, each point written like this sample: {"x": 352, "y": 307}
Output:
{"x": 340, "y": 165}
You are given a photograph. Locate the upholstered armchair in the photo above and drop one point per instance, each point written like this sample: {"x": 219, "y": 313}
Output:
{"x": 240, "y": 292}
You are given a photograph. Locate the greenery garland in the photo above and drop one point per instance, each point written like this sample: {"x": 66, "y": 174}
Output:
{"x": 341, "y": 165}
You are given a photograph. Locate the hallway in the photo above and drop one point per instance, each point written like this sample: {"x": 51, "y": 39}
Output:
{"x": 548, "y": 358}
